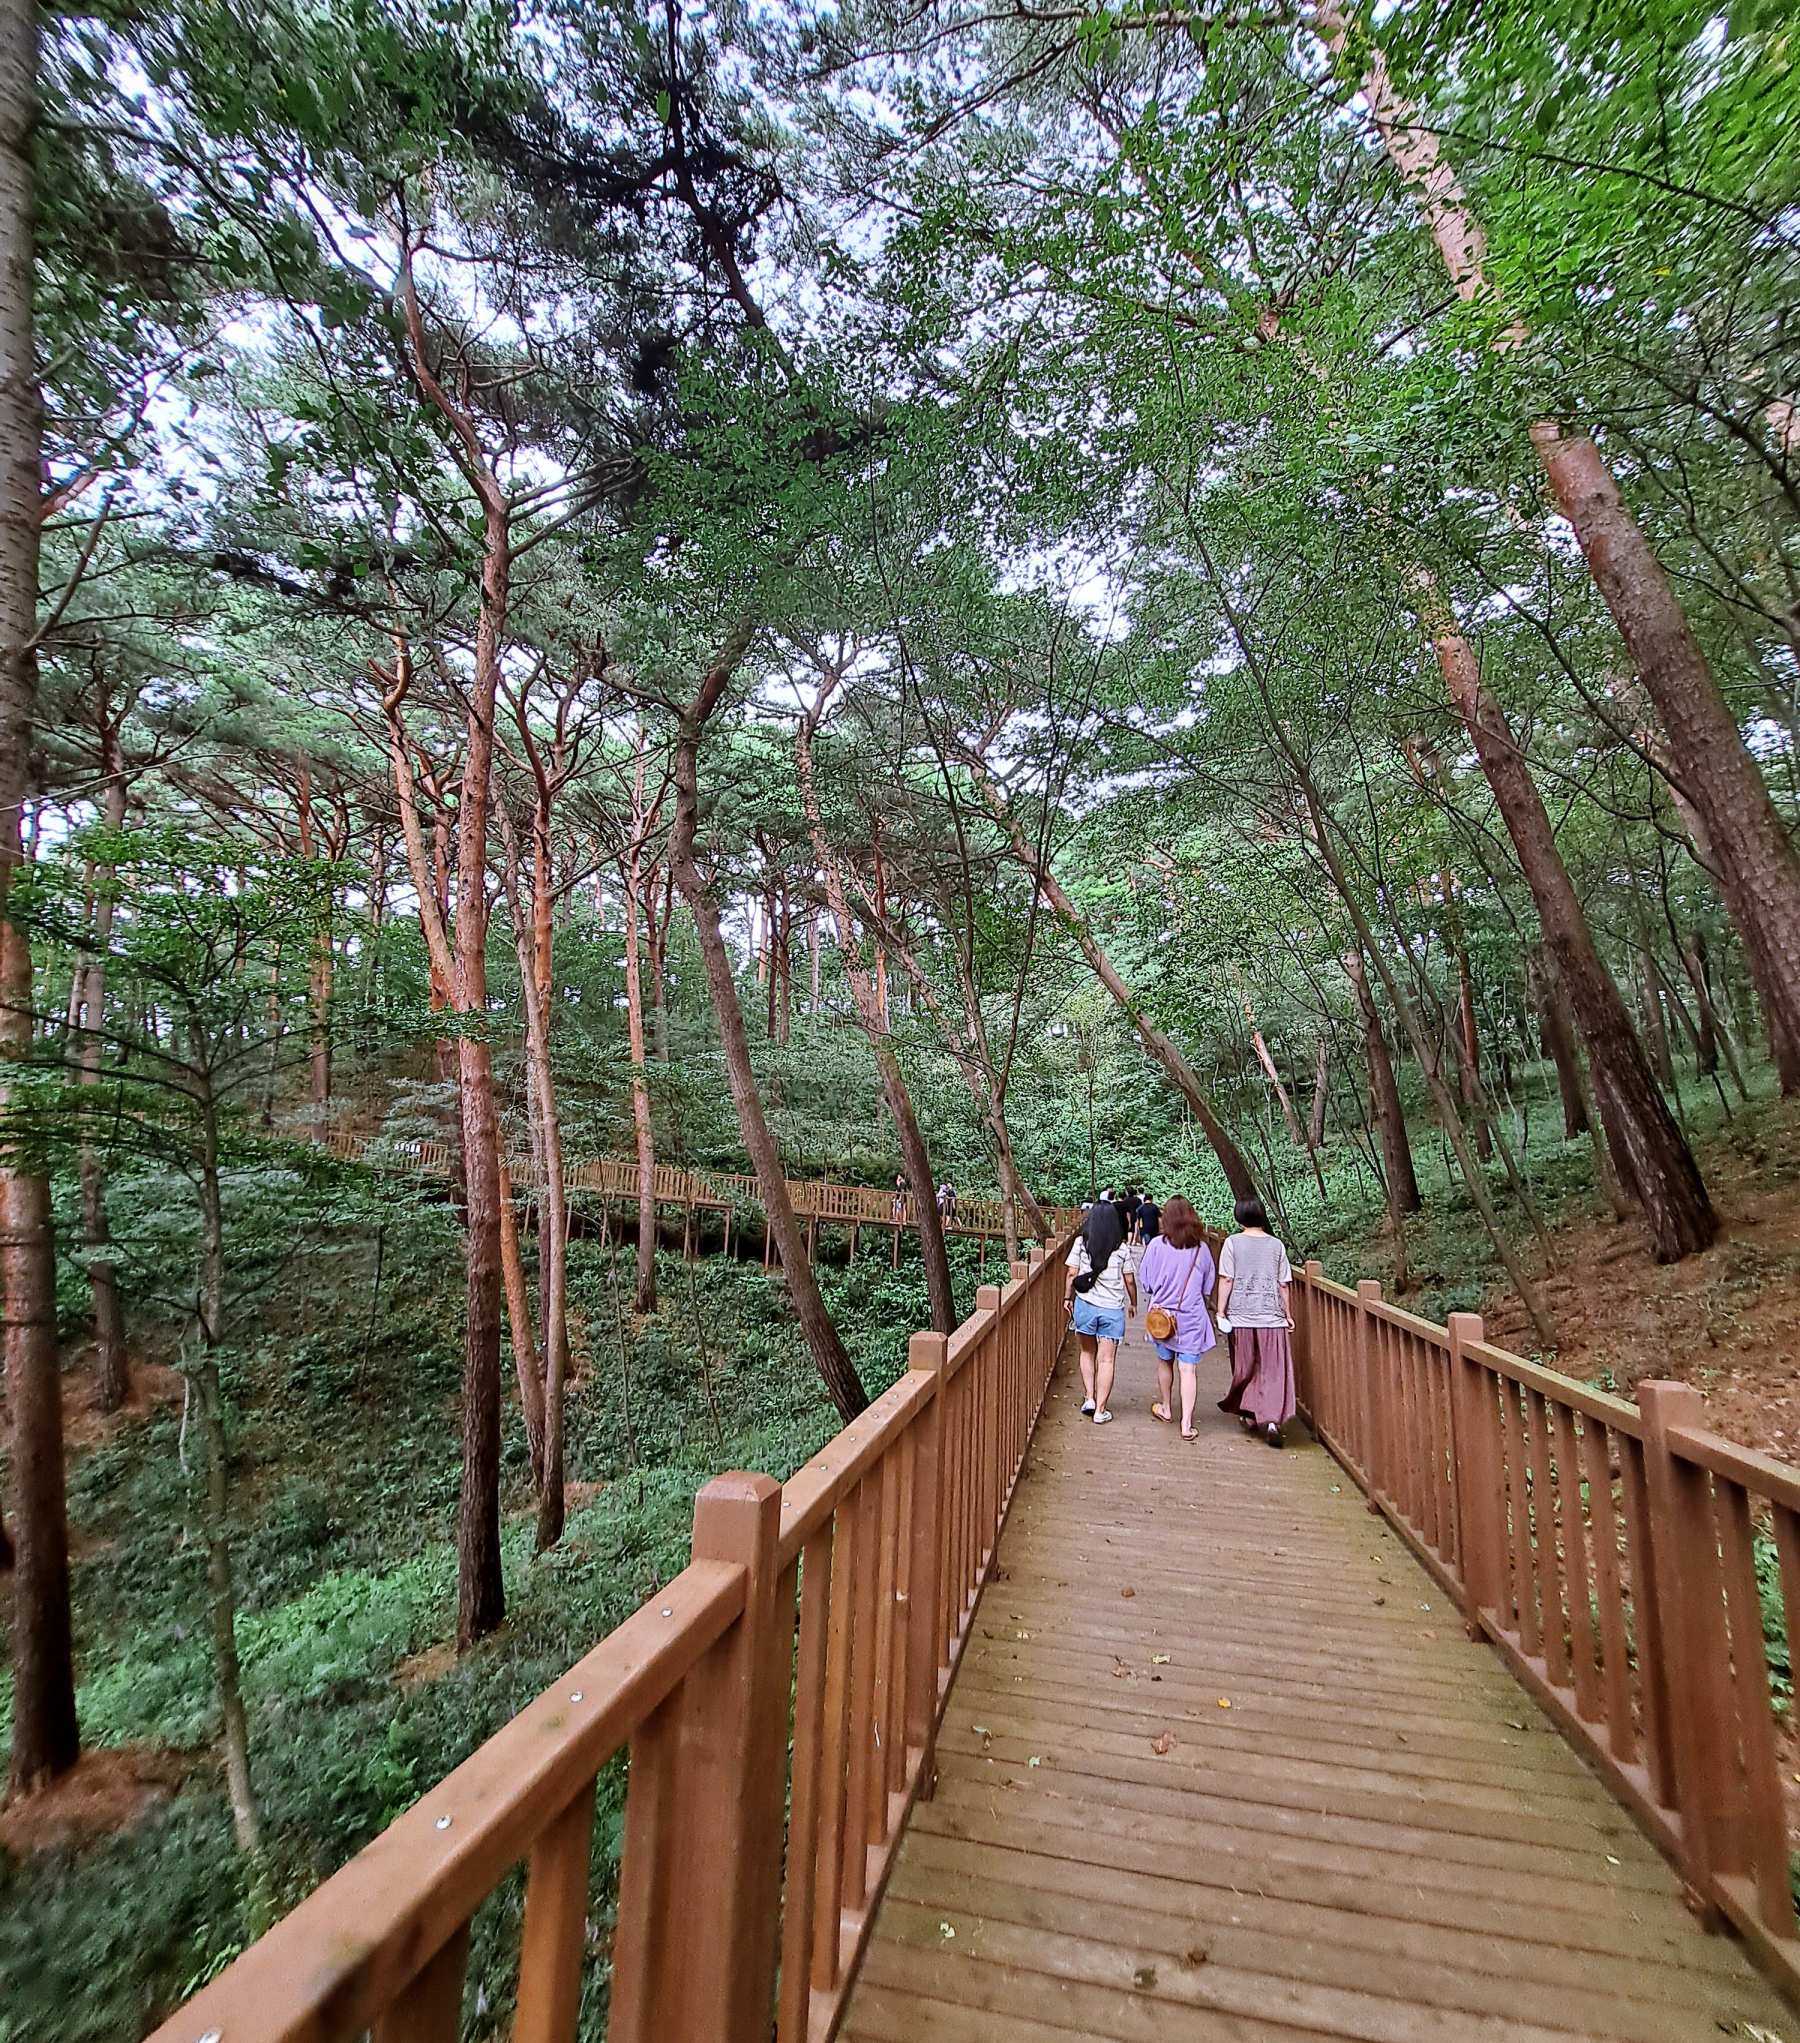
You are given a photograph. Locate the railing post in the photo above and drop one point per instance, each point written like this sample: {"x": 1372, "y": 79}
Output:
{"x": 925, "y": 1642}
{"x": 1369, "y": 1418}
{"x": 1306, "y": 1367}
{"x": 1683, "y": 1631}
{"x": 1476, "y": 1473}
{"x": 700, "y": 1880}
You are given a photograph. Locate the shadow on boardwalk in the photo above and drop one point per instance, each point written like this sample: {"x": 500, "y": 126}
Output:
{"x": 1220, "y": 1763}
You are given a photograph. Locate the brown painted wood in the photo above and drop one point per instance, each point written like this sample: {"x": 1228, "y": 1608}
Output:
{"x": 429, "y": 2010}
{"x": 1380, "y": 1837}
{"x": 555, "y": 1934}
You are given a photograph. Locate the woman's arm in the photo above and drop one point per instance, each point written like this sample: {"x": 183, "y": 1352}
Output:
{"x": 1131, "y": 1290}
{"x": 1224, "y": 1297}
{"x": 1287, "y": 1305}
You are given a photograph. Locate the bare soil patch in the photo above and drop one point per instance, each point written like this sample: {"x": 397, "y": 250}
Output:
{"x": 110, "y": 1788}
{"x": 1727, "y": 1322}
{"x": 153, "y": 1386}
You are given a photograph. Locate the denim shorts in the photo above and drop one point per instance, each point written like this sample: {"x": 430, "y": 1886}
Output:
{"x": 1169, "y": 1355}
{"x": 1106, "y": 1323}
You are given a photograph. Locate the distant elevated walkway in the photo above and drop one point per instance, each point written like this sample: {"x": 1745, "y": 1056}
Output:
{"x": 816, "y": 1201}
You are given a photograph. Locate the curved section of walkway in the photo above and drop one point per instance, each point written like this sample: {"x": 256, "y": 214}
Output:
{"x": 1220, "y": 1763}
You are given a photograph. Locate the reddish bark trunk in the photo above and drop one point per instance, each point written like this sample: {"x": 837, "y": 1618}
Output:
{"x": 830, "y": 1357}
{"x": 1384, "y": 1094}
{"x": 1757, "y": 867}
{"x": 1648, "y": 1149}
{"x": 45, "y": 1740}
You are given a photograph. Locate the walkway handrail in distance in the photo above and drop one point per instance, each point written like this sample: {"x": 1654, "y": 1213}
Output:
{"x": 825, "y": 1615}
{"x": 1614, "y": 1553}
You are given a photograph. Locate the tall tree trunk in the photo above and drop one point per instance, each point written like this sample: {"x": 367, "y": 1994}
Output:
{"x": 913, "y": 1153}
{"x": 113, "y": 1364}
{"x": 528, "y": 1366}
{"x": 1238, "y": 1174}
{"x": 481, "y": 1587}
{"x": 1468, "y": 1046}
{"x": 246, "y": 1821}
{"x": 1321, "y": 1094}
{"x": 830, "y": 1357}
{"x": 1649, "y": 1151}
{"x": 643, "y": 1132}
{"x": 45, "y": 1740}
{"x": 1559, "y": 1044}
{"x": 533, "y": 943}
{"x": 1384, "y": 1093}
{"x": 1757, "y": 866}
{"x": 1656, "y": 1028}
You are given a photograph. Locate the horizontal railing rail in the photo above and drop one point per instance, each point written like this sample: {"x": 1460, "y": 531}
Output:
{"x": 779, "y": 1702}
{"x": 1628, "y": 1563}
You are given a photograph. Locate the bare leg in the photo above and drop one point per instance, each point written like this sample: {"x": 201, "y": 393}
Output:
{"x": 1087, "y": 1367}
{"x": 1190, "y": 1391}
{"x": 1103, "y": 1375}
{"x": 1165, "y": 1384}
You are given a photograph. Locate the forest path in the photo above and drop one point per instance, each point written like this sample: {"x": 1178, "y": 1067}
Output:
{"x": 1220, "y": 1762}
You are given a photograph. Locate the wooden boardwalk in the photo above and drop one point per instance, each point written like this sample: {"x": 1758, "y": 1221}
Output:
{"x": 1221, "y": 1763}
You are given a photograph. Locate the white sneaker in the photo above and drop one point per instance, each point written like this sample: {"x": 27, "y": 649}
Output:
{"x": 1103, "y": 1418}
{"x": 1087, "y": 1408}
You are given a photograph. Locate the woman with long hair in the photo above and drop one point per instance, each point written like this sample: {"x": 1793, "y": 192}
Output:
{"x": 1176, "y": 1272}
{"x": 1099, "y": 1288}
{"x": 1256, "y": 1298}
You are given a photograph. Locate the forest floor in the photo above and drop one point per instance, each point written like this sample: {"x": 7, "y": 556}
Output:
{"x": 122, "y": 1892}
{"x": 1727, "y": 1321}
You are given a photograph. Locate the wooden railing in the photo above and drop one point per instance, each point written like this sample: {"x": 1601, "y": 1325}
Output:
{"x": 1616, "y": 1554}
{"x": 617, "y": 1178}
{"x": 825, "y": 1616}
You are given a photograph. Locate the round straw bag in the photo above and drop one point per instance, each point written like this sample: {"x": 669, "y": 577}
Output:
{"x": 1159, "y": 1321}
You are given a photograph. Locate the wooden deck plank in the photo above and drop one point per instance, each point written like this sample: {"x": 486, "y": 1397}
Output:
{"x": 1273, "y": 1791}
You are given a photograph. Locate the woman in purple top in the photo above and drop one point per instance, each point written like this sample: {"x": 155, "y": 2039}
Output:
{"x": 1177, "y": 1274}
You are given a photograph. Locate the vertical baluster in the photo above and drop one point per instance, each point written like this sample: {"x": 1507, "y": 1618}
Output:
{"x": 1544, "y": 1514}
{"x": 429, "y": 2008}
{"x": 1763, "y": 1804}
{"x": 863, "y": 1593}
{"x": 1443, "y": 1462}
{"x": 882, "y": 1627}
{"x": 1369, "y": 1400}
{"x": 1575, "y": 1564}
{"x": 810, "y": 1783}
{"x": 1647, "y": 1610}
{"x": 1480, "y": 1500}
{"x": 925, "y": 1652}
{"x": 1615, "y": 1665}
{"x": 893, "y": 1723}
{"x": 846, "y": 1557}
{"x": 1524, "y": 1579}
{"x": 555, "y": 1934}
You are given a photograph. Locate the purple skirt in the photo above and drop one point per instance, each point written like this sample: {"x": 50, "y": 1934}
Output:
{"x": 1262, "y": 1375}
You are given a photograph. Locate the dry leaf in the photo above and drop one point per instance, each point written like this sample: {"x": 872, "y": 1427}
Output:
{"x": 944, "y": 1930}
{"x": 1163, "y": 1745}
{"x": 1127, "y": 1593}
{"x": 1195, "y": 1958}
{"x": 1144, "y": 1978}
{"x": 1034, "y": 1760}
{"x": 1224, "y": 1702}
{"x": 1159, "y": 1659}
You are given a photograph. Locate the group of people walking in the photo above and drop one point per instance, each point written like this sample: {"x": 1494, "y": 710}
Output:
{"x": 1131, "y": 1250}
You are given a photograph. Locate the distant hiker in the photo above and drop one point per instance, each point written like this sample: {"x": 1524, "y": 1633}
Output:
{"x": 1177, "y": 1274}
{"x": 1150, "y": 1219}
{"x": 1098, "y": 1289}
{"x": 946, "y": 1202}
{"x": 899, "y": 1199}
{"x": 1256, "y": 1291}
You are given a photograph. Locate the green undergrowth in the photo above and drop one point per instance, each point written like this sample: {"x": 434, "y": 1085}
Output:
{"x": 344, "y": 1428}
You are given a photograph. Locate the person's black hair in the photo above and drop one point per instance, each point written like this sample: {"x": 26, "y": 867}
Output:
{"x": 1104, "y": 1233}
{"x": 1251, "y": 1212}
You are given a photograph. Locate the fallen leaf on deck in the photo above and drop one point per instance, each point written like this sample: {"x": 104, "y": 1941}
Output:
{"x": 1144, "y": 1978}
{"x": 1127, "y": 1592}
{"x": 1165, "y": 1744}
{"x": 1034, "y": 1760}
{"x": 944, "y": 1930}
{"x": 1159, "y": 1659}
{"x": 1195, "y": 1958}
{"x": 1224, "y": 1702}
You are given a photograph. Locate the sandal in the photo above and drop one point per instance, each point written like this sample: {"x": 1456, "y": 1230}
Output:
{"x": 1163, "y": 1413}
{"x": 1190, "y": 1438}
